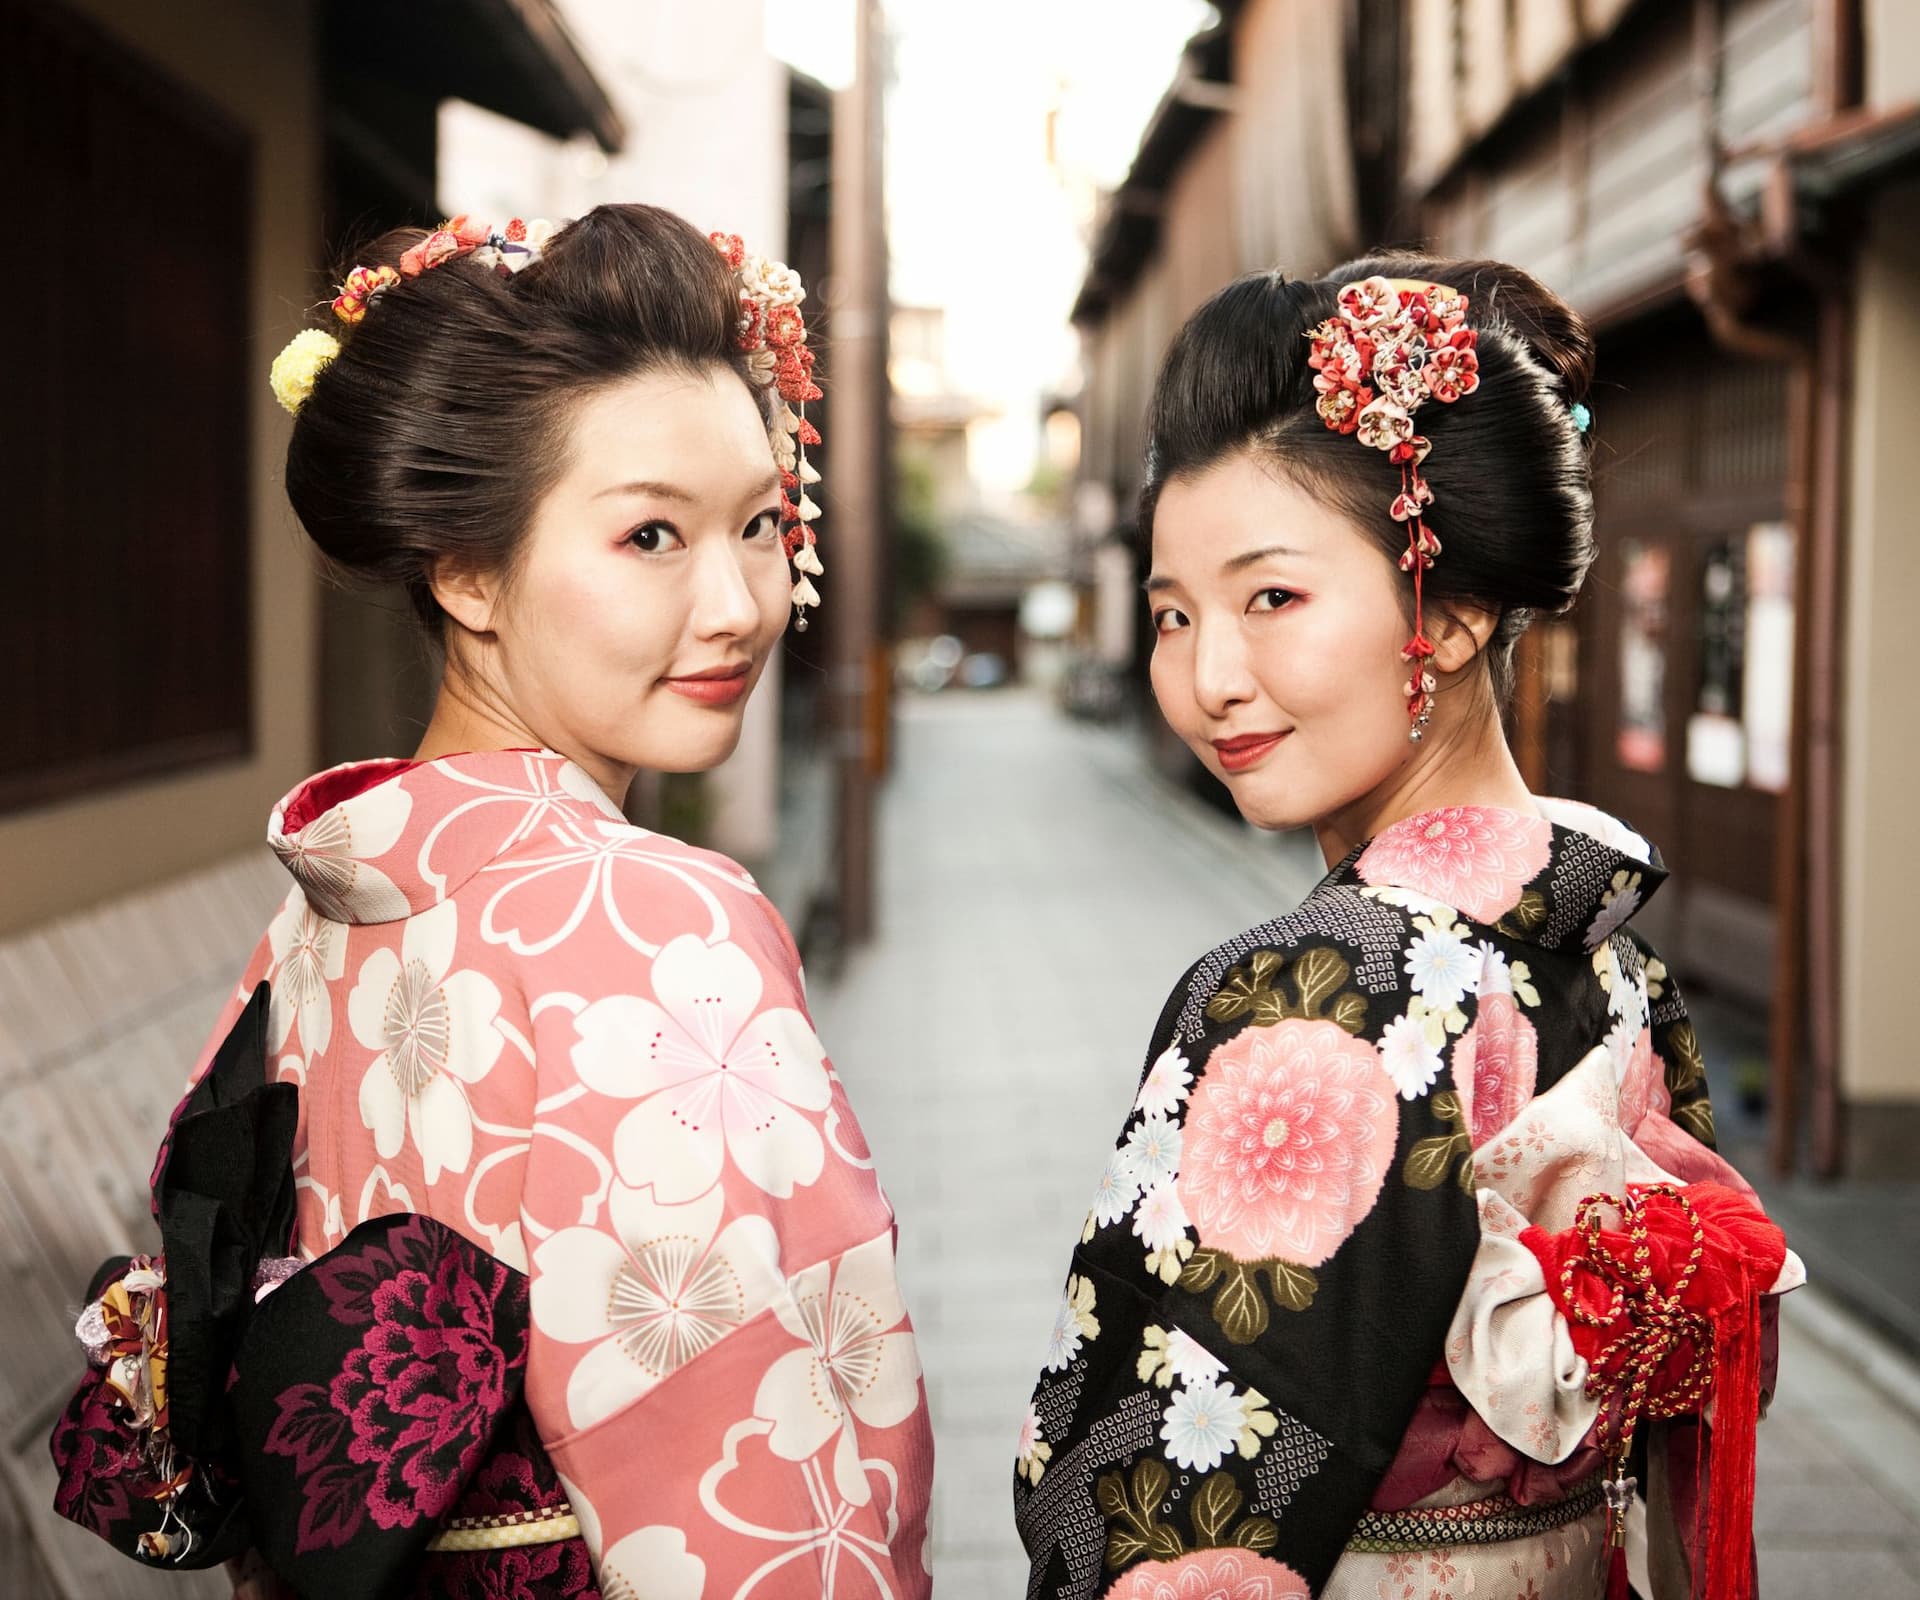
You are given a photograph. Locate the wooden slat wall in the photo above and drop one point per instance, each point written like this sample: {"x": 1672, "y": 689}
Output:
{"x": 124, "y": 635}
{"x": 1596, "y": 198}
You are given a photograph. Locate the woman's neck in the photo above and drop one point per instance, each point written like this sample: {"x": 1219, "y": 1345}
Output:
{"x": 468, "y": 717}
{"x": 1467, "y": 765}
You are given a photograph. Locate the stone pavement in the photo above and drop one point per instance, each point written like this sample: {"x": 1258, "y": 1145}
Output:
{"x": 1041, "y": 891}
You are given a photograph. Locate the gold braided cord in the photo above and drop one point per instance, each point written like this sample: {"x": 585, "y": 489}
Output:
{"x": 1653, "y": 1325}
{"x": 508, "y": 1533}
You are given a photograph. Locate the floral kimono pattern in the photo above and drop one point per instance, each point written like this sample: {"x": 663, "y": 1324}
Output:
{"x": 584, "y": 1049}
{"x": 1301, "y": 1349}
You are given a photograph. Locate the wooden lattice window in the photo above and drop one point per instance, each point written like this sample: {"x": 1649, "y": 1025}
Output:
{"x": 124, "y": 619}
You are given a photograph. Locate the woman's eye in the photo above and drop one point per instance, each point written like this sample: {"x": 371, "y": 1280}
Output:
{"x": 1168, "y": 620}
{"x": 764, "y": 526}
{"x": 654, "y": 538}
{"x": 1272, "y": 600}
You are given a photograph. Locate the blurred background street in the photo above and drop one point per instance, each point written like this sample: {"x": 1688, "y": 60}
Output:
{"x": 954, "y": 785}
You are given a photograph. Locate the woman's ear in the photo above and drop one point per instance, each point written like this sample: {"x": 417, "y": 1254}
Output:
{"x": 467, "y": 595}
{"x": 1459, "y": 634}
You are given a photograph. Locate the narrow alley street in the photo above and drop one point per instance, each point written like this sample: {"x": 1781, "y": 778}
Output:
{"x": 1042, "y": 890}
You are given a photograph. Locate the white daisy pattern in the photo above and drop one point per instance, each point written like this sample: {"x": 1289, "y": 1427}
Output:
{"x": 1409, "y": 1056}
{"x": 1201, "y": 1424}
{"x": 1617, "y": 904}
{"x": 1152, "y": 1151}
{"x": 1441, "y": 968}
{"x": 1165, "y": 1088}
{"x": 1117, "y": 1190}
{"x": 1161, "y": 1220}
{"x": 1073, "y": 1323}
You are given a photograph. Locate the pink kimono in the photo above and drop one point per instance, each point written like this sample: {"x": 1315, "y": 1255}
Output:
{"x": 585, "y": 1048}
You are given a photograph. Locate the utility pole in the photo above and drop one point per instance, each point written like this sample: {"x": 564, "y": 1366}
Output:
{"x": 857, "y": 334}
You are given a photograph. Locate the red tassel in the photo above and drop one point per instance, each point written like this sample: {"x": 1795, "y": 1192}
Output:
{"x": 1617, "y": 1574}
{"x": 1728, "y": 1557}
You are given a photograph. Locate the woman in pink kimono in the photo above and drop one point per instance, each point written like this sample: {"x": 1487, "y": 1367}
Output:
{"x": 516, "y": 1193}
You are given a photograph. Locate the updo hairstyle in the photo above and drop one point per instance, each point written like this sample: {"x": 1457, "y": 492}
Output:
{"x": 442, "y": 423}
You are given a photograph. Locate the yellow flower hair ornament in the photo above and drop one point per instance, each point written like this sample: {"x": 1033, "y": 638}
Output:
{"x": 307, "y": 355}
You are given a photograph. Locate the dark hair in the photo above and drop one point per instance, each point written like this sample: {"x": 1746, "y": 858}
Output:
{"x": 1513, "y": 495}
{"x": 440, "y": 426}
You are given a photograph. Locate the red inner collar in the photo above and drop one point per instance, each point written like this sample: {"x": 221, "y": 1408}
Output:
{"x": 320, "y": 795}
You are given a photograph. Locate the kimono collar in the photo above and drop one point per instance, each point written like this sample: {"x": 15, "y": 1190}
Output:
{"x": 375, "y": 841}
{"x": 1570, "y": 874}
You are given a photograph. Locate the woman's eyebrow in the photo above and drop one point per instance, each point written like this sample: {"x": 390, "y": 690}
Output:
{"x": 673, "y": 491}
{"x": 662, "y": 491}
{"x": 1248, "y": 558}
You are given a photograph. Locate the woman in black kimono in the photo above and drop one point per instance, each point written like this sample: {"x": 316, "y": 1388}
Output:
{"x": 1413, "y": 1259}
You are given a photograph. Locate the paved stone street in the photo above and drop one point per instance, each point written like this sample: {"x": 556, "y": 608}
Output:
{"x": 1041, "y": 891}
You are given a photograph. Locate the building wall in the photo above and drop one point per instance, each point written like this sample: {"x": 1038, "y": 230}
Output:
{"x": 1890, "y": 38}
{"x": 1880, "y": 876}
{"x": 258, "y": 65}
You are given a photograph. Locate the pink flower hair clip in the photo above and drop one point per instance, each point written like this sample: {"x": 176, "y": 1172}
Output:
{"x": 772, "y": 334}
{"x": 1393, "y": 345}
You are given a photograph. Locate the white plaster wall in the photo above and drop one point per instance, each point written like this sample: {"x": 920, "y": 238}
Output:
{"x": 1880, "y": 1058}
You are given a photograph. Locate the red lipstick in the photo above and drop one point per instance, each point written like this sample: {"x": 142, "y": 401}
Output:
{"x": 1246, "y": 750}
{"x": 717, "y": 686}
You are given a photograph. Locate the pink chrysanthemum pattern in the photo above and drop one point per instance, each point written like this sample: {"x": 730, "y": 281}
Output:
{"x": 1225, "y": 1574}
{"x": 1288, "y": 1139}
{"x": 1495, "y": 1065}
{"x": 1477, "y": 859}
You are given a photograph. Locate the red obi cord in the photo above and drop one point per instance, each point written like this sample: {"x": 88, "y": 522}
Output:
{"x": 1662, "y": 1291}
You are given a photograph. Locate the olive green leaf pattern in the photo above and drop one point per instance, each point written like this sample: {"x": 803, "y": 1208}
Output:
{"x": 1526, "y": 918}
{"x": 1431, "y": 1159}
{"x": 1133, "y": 1505}
{"x": 1240, "y": 1303}
{"x": 1319, "y": 980}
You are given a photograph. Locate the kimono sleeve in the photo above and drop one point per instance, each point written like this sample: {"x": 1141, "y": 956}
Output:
{"x": 690, "y": 1215}
{"x": 1266, "y": 1281}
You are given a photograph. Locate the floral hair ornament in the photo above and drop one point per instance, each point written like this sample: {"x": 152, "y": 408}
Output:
{"x": 1392, "y": 345}
{"x": 772, "y": 334}
{"x": 507, "y": 249}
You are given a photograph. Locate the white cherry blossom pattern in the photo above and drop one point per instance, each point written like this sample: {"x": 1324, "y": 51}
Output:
{"x": 718, "y": 1079}
{"x": 433, "y": 1032}
{"x": 329, "y": 857}
{"x": 847, "y": 1549}
{"x": 509, "y": 803}
{"x": 652, "y": 1561}
{"x": 666, "y": 1285}
{"x": 309, "y": 952}
{"x": 1165, "y": 1088}
{"x": 856, "y": 1365}
{"x": 548, "y": 893}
